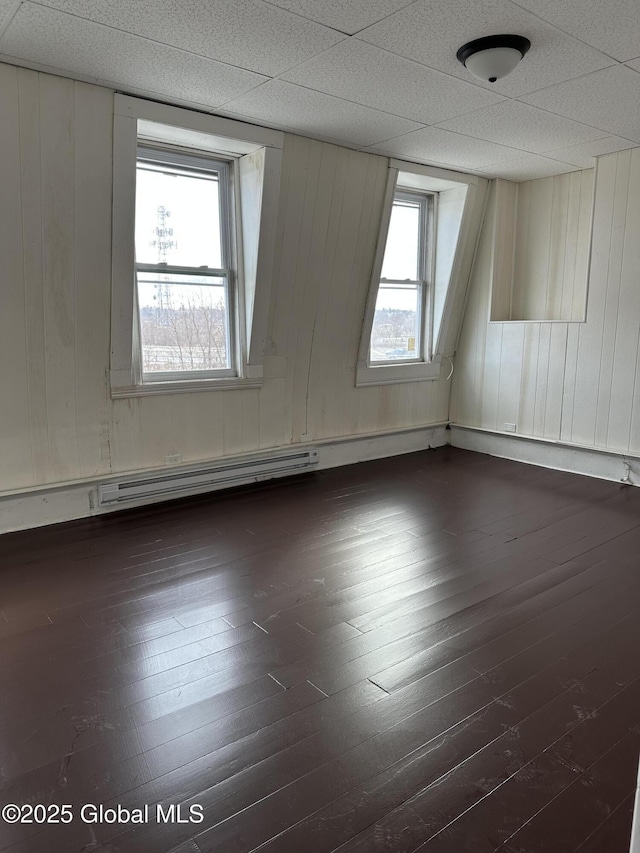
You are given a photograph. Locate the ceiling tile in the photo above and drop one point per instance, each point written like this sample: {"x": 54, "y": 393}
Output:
{"x": 348, "y": 17}
{"x": 294, "y": 108}
{"x": 522, "y": 126}
{"x": 366, "y": 74}
{"x": 583, "y": 155}
{"x": 247, "y": 33}
{"x": 90, "y": 50}
{"x": 528, "y": 168}
{"x": 7, "y": 8}
{"x": 608, "y": 99}
{"x": 613, "y": 27}
{"x": 431, "y": 31}
{"x": 435, "y": 146}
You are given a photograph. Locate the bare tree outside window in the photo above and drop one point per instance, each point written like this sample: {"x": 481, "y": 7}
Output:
{"x": 183, "y": 327}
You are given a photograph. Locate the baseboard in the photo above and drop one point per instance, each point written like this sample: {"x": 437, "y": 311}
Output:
{"x": 68, "y": 501}
{"x": 591, "y": 462}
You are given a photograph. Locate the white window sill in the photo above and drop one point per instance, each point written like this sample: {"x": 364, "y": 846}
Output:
{"x": 390, "y": 374}
{"x": 188, "y": 386}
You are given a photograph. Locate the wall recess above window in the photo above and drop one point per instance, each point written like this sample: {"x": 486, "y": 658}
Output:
{"x": 541, "y": 248}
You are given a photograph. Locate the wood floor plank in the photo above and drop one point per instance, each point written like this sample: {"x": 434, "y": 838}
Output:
{"x": 429, "y": 652}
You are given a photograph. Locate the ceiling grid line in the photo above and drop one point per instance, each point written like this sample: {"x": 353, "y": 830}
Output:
{"x": 375, "y": 75}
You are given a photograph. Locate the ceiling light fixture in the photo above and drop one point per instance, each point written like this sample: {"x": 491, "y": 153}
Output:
{"x": 493, "y": 57}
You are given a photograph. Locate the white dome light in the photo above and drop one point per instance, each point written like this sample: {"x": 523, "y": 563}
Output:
{"x": 493, "y": 57}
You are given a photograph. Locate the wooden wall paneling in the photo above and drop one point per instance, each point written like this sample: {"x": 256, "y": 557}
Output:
{"x": 624, "y": 385}
{"x": 339, "y": 207}
{"x": 16, "y": 461}
{"x": 476, "y": 200}
{"x": 368, "y": 408}
{"x": 578, "y": 379}
{"x": 276, "y": 340}
{"x": 542, "y": 379}
{"x": 125, "y": 438}
{"x": 272, "y": 425}
{"x": 520, "y": 272}
{"x": 439, "y": 395}
{"x": 354, "y": 286}
{"x": 274, "y": 329}
{"x": 503, "y": 249}
{"x": 529, "y": 380}
{"x": 569, "y": 382}
{"x": 571, "y": 247}
{"x": 57, "y": 108}
{"x": 30, "y": 180}
{"x": 555, "y": 383}
{"x": 590, "y": 340}
{"x": 194, "y": 427}
{"x": 585, "y": 217}
{"x": 156, "y": 429}
{"x": 92, "y": 258}
{"x": 312, "y": 275}
{"x": 240, "y": 421}
{"x": 557, "y": 247}
{"x": 510, "y": 374}
{"x": 183, "y": 413}
{"x": 461, "y": 406}
{"x": 475, "y": 325}
{"x": 536, "y": 280}
{"x": 612, "y": 300}
{"x": 272, "y": 432}
{"x": 491, "y": 385}
{"x": 206, "y": 422}
{"x": 551, "y": 247}
{"x": 302, "y": 302}
{"x": 576, "y": 247}
{"x": 296, "y": 164}
{"x": 361, "y": 271}
{"x": 423, "y": 400}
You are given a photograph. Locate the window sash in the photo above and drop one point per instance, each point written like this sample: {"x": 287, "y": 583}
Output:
{"x": 420, "y": 286}
{"x": 195, "y": 346}
{"x": 425, "y": 201}
{"x": 194, "y": 163}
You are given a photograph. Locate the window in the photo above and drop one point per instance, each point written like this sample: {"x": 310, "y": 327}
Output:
{"x": 429, "y": 225}
{"x": 184, "y": 272}
{"x": 400, "y": 330}
{"x": 195, "y": 203}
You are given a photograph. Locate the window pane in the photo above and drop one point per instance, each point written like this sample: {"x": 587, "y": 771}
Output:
{"x": 403, "y": 241}
{"x": 396, "y": 324}
{"x": 177, "y": 218}
{"x": 184, "y": 323}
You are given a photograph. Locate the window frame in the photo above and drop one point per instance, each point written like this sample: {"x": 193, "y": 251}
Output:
{"x": 457, "y": 218}
{"x": 256, "y": 156}
{"x": 427, "y": 201}
{"x": 194, "y": 161}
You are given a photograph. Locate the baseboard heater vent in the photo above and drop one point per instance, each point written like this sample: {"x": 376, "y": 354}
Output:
{"x": 195, "y": 480}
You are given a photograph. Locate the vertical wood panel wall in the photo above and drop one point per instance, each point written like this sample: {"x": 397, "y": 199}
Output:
{"x": 541, "y": 248}
{"x": 552, "y": 247}
{"x": 57, "y": 421}
{"x": 573, "y": 382}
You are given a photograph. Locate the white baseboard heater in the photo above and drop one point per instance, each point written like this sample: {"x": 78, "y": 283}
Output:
{"x": 192, "y": 481}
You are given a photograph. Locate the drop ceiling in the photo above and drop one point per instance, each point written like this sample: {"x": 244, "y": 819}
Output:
{"x": 377, "y": 75}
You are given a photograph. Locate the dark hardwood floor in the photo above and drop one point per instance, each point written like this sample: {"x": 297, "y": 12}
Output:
{"x": 434, "y": 652}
